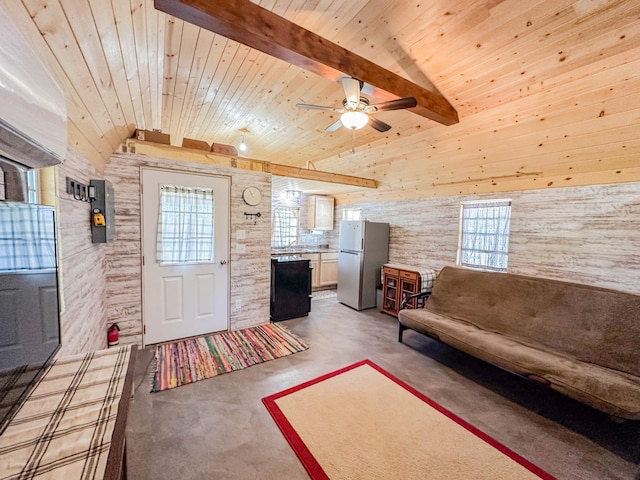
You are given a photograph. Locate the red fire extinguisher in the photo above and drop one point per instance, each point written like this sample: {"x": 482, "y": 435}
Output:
{"x": 113, "y": 337}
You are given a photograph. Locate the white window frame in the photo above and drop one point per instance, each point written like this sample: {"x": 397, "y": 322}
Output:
{"x": 33, "y": 186}
{"x": 494, "y": 254}
{"x": 352, "y": 213}
{"x": 3, "y": 195}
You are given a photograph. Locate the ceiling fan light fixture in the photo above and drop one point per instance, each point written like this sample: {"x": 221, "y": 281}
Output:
{"x": 354, "y": 120}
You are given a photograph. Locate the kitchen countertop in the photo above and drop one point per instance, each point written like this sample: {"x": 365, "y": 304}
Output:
{"x": 302, "y": 250}
{"x": 282, "y": 258}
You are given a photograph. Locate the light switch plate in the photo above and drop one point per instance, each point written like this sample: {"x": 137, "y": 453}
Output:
{"x": 241, "y": 234}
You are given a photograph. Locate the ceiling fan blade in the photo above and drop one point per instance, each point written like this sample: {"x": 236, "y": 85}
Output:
{"x": 368, "y": 89}
{"x": 351, "y": 91}
{"x": 317, "y": 107}
{"x": 398, "y": 104}
{"x": 379, "y": 125}
{"x": 333, "y": 127}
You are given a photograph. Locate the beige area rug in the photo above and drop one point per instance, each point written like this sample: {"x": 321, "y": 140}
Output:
{"x": 361, "y": 422}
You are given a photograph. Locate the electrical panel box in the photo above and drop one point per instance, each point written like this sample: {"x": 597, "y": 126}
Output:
{"x": 103, "y": 215}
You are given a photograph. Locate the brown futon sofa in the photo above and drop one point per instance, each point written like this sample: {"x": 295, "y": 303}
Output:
{"x": 580, "y": 340}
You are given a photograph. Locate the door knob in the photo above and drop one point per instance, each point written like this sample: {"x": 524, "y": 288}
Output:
{"x": 223, "y": 262}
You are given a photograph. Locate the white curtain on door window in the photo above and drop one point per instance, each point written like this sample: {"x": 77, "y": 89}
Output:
{"x": 185, "y": 224}
{"x": 485, "y": 234}
{"x": 27, "y": 237}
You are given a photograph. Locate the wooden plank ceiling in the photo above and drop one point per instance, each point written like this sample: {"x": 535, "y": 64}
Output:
{"x": 547, "y": 91}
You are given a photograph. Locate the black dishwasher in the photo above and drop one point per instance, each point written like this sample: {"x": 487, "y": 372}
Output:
{"x": 290, "y": 287}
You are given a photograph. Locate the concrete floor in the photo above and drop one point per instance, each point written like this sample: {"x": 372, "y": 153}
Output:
{"x": 219, "y": 428}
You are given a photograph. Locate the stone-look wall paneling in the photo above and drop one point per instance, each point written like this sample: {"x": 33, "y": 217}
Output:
{"x": 83, "y": 320}
{"x": 582, "y": 234}
{"x": 249, "y": 271}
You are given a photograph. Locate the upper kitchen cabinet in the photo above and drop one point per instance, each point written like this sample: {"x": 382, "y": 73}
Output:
{"x": 320, "y": 215}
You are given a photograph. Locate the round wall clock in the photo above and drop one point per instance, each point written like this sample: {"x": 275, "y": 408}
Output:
{"x": 251, "y": 196}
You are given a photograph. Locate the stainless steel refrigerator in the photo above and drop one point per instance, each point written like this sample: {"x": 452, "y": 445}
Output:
{"x": 364, "y": 248}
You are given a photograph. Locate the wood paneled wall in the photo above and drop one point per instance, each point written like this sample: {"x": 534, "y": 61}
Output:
{"x": 582, "y": 234}
{"x": 82, "y": 265}
{"x": 250, "y": 271}
{"x": 547, "y": 91}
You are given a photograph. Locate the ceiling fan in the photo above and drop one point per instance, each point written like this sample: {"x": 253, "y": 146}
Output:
{"x": 356, "y": 110}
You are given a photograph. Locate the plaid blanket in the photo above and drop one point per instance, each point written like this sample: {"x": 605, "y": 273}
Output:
{"x": 64, "y": 429}
{"x": 427, "y": 279}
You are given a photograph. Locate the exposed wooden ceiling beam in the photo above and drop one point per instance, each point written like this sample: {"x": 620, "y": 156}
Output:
{"x": 258, "y": 28}
{"x": 320, "y": 176}
{"x": 152, "y": 149}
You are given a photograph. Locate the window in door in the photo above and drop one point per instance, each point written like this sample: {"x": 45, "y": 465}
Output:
{"x": 484, "y": 234}
{"x": 185, "y": 225}
{"x": 286, "y": 226}
{"x": 27, "y": 237}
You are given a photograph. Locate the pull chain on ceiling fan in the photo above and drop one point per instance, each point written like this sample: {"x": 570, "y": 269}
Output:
{"x": 356, "y": 110}
{"x": 353, "y": 141}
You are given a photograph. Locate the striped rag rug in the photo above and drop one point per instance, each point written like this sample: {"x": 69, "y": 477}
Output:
{"x": 188, "y": 361}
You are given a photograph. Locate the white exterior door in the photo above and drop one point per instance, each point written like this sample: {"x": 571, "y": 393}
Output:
{"x": 184, "y": 298}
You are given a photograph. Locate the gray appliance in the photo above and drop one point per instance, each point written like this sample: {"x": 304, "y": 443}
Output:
{"x": 364, "y": 248}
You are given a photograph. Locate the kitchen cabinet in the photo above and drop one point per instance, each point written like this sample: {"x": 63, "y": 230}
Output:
{"x": 314, "y": 259}
{"x": 400, "y": 281}
{"x": 320, "y": 212}
{"x": 325, "y": 268}
{"x": 328, "y": 269}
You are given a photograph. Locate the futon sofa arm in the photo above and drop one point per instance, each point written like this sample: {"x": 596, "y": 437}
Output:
{"x": 403, "y": 305}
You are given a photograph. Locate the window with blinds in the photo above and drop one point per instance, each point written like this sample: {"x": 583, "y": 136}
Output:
{"x": 484, "y": 234}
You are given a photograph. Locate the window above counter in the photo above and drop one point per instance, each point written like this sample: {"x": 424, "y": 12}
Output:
{"x": 310, "y": 237}
{"x": 285, "y": 226}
